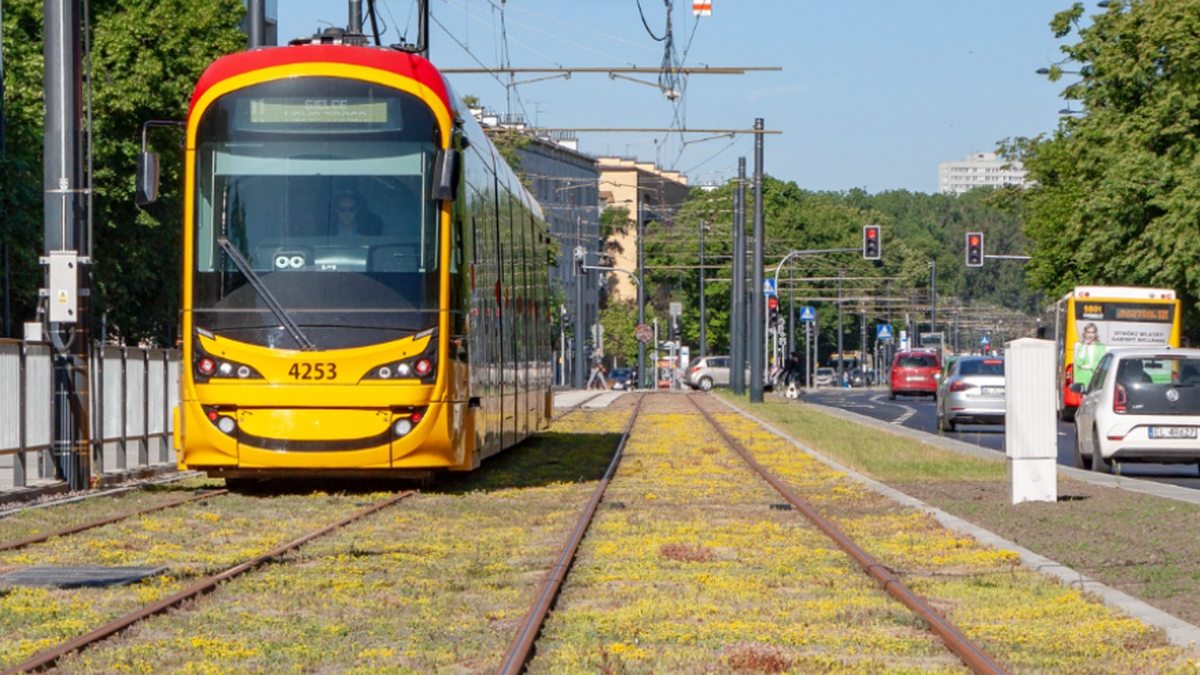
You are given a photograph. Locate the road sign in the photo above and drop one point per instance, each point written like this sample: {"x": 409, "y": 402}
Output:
{"x": 676, "y": 308}
{"x": 768, "y": 287}
{"x": 884, "y": 332}
{"x": 985, "y": 341}
{"x": 808, "y": 314}
{"x": 644, "y": 333}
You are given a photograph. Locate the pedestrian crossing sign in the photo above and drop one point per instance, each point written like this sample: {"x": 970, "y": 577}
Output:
{"x": 884, "y": 332}
{"x": 808, "y": 314}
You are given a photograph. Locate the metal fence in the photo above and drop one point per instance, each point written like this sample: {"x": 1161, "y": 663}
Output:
{"x": 134, "y": 393}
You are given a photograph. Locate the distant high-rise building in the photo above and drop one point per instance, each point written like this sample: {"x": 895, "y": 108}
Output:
{"x": 979, "y": 169}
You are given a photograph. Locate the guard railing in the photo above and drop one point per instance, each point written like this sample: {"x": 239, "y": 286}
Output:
{"x": 134, "y": 392}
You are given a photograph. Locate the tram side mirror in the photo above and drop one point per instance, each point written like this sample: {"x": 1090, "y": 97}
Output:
{"x": 446, "y": 172}
{"x": 147, "y": 178}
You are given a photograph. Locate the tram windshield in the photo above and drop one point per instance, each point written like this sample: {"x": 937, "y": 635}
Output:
{"x": 322, "y": 185}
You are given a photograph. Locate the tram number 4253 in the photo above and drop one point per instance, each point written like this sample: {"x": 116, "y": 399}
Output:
{"x": 313, "y": 371}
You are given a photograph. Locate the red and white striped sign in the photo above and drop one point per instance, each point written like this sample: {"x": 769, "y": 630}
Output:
{"x": 702, "y": 7}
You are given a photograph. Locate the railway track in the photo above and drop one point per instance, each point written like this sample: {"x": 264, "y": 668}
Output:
{"x": 50, "y": 657}
{"x": 975, "y": 658}
{"x": 92, "y": 524}
{"x": 52, "y": 496}
{"x": 521, "y": 649}
{"x": 662, "y": 552}
{"x": 523, "y": 646}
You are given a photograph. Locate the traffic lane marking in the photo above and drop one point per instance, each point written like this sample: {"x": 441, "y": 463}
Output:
{"x": 908, "y": 413}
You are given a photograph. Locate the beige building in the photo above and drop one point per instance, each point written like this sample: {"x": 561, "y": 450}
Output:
{"x": 646, "y": 191}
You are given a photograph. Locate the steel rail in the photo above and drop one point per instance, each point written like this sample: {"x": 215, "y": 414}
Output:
{"x": 520, "y": 650}
{"x": 49, "y": 658}
{"x": 955, "y": 640}
{"x": 8, "y": 546}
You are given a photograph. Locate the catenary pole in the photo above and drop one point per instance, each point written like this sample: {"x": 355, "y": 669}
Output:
{"x": 703, "y": 315}
{"x": 255, "y": 23}
{"x": 757, "y": 320}
{"x": 66, "y": 245}
{"x": 641, "y": 293}
{"x": 737, "y": 327}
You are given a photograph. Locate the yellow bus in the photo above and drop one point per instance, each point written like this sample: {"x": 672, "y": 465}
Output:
{"x": 1090, "y": 319}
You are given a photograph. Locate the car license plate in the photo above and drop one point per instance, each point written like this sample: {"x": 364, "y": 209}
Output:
{"x": 993, "y": 391}
{"x": 1172, "y": 432}
{"x": 916, "y": 378}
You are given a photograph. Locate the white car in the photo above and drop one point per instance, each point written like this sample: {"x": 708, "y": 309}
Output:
{"x": 825, "y": 377}
{"x": 1141, "y": 405}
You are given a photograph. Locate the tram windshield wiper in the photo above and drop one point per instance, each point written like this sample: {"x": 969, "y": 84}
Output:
{"x": 256, "y": 283}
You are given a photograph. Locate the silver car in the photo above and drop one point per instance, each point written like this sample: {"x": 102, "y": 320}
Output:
{"x": 824, "y": 377}
{"x": 707, "y": 372}
{"x": 971, "y": 393}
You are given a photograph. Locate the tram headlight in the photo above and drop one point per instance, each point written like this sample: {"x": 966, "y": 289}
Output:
{"x": 403, "y": 427}
{"x": 215, "y": 368}
{"x": 226, "y": 424}
{"x": 422, "y": 367}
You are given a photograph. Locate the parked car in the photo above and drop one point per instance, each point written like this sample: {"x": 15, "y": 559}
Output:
{"x": 825, "y": 377}
{"x": 1141, "y": 405}
{"x": 707, "y": 372}
{"x": 620, "y": 379}
{"x": 972, "y": 392}
{"x": 915, "y": 373}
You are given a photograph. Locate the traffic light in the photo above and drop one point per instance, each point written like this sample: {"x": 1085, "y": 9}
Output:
{"x": 974, "y": 249}
{"x": 870, "y": 246}
{"x": 772, "y": 310}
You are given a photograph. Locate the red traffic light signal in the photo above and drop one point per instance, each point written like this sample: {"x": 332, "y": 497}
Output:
{"x": 871, "y": 248}
{"x": 974, "y": 249}
{"x": 772, "y": 309}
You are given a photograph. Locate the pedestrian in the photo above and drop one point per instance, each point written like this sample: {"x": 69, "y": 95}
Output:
{"x": 791, "y": 369}
{"x": 846, "y": 378}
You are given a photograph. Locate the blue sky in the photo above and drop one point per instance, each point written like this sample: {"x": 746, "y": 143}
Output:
{"x": 873, "y": 93}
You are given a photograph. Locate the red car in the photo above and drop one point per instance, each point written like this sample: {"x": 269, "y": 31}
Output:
{"x": 915, "y": 373}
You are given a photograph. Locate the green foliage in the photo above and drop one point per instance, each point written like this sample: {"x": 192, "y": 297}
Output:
{"x": 1117, "y": 193}
{"x": 146, "y": 58}
{"x": 620, "y": 320}
{"x": 917, "y": 229}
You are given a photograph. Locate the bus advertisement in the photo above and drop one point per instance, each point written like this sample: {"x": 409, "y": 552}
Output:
{"x": 1090, "y": 319}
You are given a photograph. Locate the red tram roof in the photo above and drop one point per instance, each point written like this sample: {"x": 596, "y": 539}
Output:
{"x": 389, "y": 60}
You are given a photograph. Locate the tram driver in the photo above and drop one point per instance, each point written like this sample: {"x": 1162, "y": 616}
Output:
{"x": 353, "y": 219}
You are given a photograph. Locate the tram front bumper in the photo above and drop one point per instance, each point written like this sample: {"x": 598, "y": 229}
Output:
{"x": 313, "y": 438}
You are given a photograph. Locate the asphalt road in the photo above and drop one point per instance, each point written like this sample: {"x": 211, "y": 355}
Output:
{"x": 920, "y": 413}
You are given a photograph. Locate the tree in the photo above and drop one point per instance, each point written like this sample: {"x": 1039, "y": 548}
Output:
{"x": 146, "y": 57}
{"x": 1116, "y": 196}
